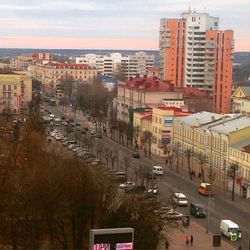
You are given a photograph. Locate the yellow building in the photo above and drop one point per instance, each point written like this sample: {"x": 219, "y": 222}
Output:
{"x": 154, "y": 129}
{"x": 211, "y": 135}
{"x": 142, "y": 122}
{"x": 15, "y": 93}
{"x": 51, "y": 73}
{"x": 239, "y": 153}
{"x": 241, "y": 100}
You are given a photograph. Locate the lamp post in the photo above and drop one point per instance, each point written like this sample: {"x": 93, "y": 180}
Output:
{"x": 211, "y": 202}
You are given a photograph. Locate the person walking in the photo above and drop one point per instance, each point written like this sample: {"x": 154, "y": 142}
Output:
{"x": 166, "y": 245}
{"x": 191, "y": 240}
{"x": 187, "y": 240}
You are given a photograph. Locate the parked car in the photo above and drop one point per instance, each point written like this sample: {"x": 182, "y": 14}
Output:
{"x": 127, "y": 185}
{"x": 136, "y": 155}
{"x": 154, "y": 190}
{"x": 172, "y": 215}
{"x": 180, "y": 199}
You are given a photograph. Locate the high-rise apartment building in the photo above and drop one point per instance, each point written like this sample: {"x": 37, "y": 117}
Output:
{"x": 195, "y": 53}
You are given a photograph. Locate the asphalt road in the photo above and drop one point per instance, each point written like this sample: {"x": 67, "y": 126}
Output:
{"x": 172, "y": 182}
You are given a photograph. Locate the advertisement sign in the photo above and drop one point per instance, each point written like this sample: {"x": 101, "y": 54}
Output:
{"x": 111, "y": 239}
{"x": 168, "y": 121}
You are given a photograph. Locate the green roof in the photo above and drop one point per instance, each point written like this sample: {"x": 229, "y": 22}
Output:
{"x": 10, "y": 78}
{"x": 246, "y": 90}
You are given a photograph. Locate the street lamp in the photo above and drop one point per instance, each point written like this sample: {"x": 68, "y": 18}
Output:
{"x": 211, "y": 202}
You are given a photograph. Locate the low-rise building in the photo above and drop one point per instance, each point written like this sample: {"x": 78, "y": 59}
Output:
{"x": 153, "y": 129}
{"x": 15, "y": 93}
{"x": 51, "y": 73}
{"x": 207, "y": 137}
{"x": 239, "y": 154}
{"x": 241, "y": 100}
{"x": 142, "y": 92}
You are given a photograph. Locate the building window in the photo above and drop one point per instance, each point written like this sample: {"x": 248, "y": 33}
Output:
{"x": 15, "y": 87}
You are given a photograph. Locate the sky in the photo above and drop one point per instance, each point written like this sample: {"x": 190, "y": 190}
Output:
{"x": 108, "y": 24}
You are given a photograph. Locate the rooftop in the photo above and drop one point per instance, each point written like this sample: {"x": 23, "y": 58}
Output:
{"x": 10, "y": 78}
{"x": 243, "y": 145}
{"x": 58, "y": 65}
{"x": 189, "y": 92}
{"x": 145, "y": 84}
{"x": 201, "y": 118}
{"x": 231, "y": 125}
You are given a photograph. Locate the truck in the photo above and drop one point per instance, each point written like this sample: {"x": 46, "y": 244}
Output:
{"x": 230, "y": 229}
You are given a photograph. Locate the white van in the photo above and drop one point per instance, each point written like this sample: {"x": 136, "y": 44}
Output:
{"x": 230, "y": 229}
{"x": 158, "y": 170}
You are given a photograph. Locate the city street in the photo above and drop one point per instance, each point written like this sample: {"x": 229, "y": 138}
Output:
{"x": 171, "y": 182}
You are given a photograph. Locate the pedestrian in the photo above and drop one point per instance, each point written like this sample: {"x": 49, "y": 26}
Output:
{"x": 239, "y": 248}
{"x": 187, "y": 240}
{"x": 166, "y": 245}
{"x": 191, "y": 240}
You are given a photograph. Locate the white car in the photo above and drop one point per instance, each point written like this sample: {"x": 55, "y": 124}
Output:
{"x": 128, "y": 184}
{"x": 180, "y": 199}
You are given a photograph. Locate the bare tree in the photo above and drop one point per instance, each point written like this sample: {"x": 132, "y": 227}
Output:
{"x": 189, "y": 153}
{"x": 203, "y": 160}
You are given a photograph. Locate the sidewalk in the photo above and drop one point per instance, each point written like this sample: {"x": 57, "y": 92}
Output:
{"x": 202, "y": 240}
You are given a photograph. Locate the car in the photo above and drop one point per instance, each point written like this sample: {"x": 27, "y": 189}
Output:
{"x": 205, "y": 189}
{"x": 127, "y": 184}
{"x": 180, "y": 199}
{"x": 154, "y": 190}
{"x": 158, "y": 170}
{"x": 171, "y": 215}
{"x": 76, "y": 148}
{"x": 99, "y": 136}
{"x": 197, "y": 210}
{"x": 136, "y": 155}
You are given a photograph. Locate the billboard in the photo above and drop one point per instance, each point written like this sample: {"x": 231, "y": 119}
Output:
{"x": 168, "y": 121}
{"x": 111, "y": 239}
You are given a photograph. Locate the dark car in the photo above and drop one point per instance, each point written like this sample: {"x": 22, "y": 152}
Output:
{"x": 136, "y": 155}
{"x": 197, "y": 210}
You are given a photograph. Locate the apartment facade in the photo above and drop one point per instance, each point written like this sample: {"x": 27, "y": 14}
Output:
{"x": 241, "y": 100}
{"x": 108, "y": 65}
{"x": 21, "y": 62}
{"x": 194, "y": 53}
{"x": 141, "y": 92}
{"x": 211, "y": 136}
{"x": 15, "y": 93}
{"x": 51, "y": 73}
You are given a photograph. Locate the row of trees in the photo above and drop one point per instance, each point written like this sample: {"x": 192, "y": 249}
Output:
{"x": 51, "y": 202}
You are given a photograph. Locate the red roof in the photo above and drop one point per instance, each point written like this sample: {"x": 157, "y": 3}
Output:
{"x": 58, "y": 65}
{"x": 145, "y": 84}
{"x": 177, "y": 111}
{"x": 148, "y": 117}
{"x": 189, "y": 92}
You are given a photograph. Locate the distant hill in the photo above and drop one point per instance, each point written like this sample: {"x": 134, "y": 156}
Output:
{"x": 68, "y": 52}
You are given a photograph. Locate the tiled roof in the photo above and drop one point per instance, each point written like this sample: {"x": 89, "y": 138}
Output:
{"x": 189, "y": 92}
{"x": 148, "y": 85}
{"x": 58, "y": 65}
